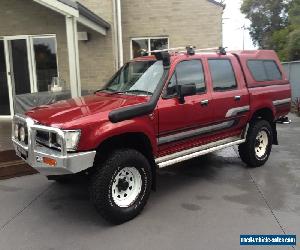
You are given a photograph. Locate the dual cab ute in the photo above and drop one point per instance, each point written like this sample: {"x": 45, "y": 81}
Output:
{"x": 157, "y": 111}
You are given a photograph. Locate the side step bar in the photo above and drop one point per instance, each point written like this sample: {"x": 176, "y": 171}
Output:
{"x": 198, "y": 151}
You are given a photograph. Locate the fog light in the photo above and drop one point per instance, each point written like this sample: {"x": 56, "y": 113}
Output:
{"x": 16, "y": 131}
{"x": 49, "y": 161}
{"x": 22, "y": 134}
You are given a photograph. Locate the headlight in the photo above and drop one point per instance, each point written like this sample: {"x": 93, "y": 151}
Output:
{"x": 22, "y": 134}
{"x": 16, "y": 131}
{"x": 71, "y": 139}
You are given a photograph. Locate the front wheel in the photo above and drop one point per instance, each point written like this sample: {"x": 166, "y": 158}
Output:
{"x": 257, "y": 148}
{"x": 121, "y": 185}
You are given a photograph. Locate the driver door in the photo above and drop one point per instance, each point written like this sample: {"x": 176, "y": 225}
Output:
{"x": 181, "y": 124}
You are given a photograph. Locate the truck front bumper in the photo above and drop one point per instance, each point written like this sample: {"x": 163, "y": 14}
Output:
{"x": 50, "y": 161}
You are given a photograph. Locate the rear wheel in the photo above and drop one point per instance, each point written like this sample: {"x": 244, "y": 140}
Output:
{"x": 257, "y": 148}
{"x": 120, "y": 187}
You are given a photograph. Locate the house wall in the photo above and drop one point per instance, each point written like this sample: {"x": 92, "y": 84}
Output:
{"x": 192, "y": 22}
{"x": 24, "y": 17}
{"x": 97, "y": 56}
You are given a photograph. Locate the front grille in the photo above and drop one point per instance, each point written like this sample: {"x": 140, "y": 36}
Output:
{"x": 47, "y": 139}
{"x": 42, "y": 136}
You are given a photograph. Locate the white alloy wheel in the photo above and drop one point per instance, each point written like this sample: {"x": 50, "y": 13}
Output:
{"x": 127, "y": 186}
{"x": 261, "y": 145}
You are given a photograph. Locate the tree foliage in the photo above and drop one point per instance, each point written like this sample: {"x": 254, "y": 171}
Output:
{"x": 266, "y": 16}
{"x": 275, "y": 24}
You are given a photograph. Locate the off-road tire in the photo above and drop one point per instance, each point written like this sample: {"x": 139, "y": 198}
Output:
{"x": 247, "y": 150}
{"x": 102, "y": 180}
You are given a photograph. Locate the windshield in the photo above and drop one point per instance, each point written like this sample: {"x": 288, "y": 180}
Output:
{"x": 139, "y": 77}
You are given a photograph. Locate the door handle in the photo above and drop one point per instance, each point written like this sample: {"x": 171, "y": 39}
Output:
{"x": 204, "y": 102}
{"x": 237, "y": 97}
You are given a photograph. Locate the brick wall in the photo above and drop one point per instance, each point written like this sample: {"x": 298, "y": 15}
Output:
{"x": 97, "y": 57}
{"x": 196, "y": 22}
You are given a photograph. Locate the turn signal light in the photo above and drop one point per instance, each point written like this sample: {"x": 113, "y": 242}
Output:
{"x": 49, "y": 161}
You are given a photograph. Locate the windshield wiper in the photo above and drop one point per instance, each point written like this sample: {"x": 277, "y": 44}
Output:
{"x": 111, "y": 92}
{"x": 138, "y": 91}
{"x": 125, "y": 91}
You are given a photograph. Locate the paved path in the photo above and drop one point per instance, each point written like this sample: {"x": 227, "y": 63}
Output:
{"x": 204, "y": 204}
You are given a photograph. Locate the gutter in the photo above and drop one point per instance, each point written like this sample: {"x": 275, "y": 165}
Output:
{"x": 119, "y": 38}
{"x": 217, "y": 3}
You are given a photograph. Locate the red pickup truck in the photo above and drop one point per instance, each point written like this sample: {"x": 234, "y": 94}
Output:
{"x": 157, "y": 111}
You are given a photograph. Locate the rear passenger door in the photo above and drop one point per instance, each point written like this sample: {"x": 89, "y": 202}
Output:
{"x": 230, "y": 99}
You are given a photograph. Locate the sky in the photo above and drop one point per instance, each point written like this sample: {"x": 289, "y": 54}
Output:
{"x": 233, "y": 21}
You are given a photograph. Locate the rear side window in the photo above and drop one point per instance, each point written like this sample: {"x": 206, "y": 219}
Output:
{"x": 264, "y": 70}
{"x": 222, "y": 74}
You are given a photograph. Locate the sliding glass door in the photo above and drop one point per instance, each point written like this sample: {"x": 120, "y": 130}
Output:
{"x": 28, "y": 70}
{"x": 19, "y": 62}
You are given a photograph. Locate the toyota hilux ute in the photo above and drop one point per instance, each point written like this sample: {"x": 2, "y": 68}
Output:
{"x": 156, "y": 111}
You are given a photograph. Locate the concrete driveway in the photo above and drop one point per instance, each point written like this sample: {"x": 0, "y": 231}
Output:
{"x": 202, "y": 204}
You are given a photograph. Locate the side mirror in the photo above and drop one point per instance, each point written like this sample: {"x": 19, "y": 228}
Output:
{"x": 186, "y": 90}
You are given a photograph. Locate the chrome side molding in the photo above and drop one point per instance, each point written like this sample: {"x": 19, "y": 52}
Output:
{"x": 282, "y": 101}
{"x": 188, "y": 154}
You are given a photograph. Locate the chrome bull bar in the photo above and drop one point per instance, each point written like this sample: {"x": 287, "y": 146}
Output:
{"x": 67, "y": 162}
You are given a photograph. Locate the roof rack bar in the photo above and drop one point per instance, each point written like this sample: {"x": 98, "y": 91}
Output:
{"x": 215, "y": 49}
{"x": 187, "y": 49}
{"x": 167, "y": 50}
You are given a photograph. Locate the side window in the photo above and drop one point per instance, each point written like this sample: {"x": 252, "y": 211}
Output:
{"x": 264, "y": 70}
{"x": 188, "y": 72}
{"x": 171, "y": 90}
{"x": 222, "y": 74}
{"x": 272, "y": 70}
{"x": 257, "y": 70}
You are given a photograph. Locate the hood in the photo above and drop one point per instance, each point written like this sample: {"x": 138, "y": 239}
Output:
{"x": 68, "y": 113}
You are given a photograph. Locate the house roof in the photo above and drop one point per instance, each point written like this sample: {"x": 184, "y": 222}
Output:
{"x": 87, "y": 13}
{"x": 217, "y": 3}
{"x": 82, "y": 14}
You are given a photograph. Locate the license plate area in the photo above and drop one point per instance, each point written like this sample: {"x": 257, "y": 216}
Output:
{"x": 22, "y": 153}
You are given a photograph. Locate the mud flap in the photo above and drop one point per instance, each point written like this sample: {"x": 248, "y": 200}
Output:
{"x": 275, "y": 137}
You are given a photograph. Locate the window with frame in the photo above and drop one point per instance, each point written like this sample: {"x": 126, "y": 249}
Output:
{"x": 188, "y": 72}
{"x": 264, "y": 70}
{"x": 223, "y": 77}
{"x": 148, "y": 44}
